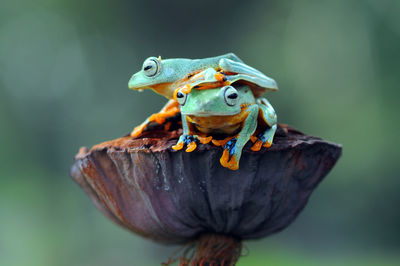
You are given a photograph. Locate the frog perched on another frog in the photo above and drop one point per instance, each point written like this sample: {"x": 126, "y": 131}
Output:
{"x": 226, "y": 110}
{"x": 165, "y": 76}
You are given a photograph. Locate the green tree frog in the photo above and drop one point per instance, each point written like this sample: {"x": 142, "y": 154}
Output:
{"x": 222, "y": 108}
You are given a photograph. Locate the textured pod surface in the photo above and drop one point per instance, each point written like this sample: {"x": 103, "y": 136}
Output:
{"x": 174, "y": 196}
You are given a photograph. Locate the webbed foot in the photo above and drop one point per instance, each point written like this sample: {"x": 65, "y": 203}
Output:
{"x": 162, "y": 116}
{"x": 220, "y": 76}
{"x": 169, "y": 110}
{"x": 228, "y": 158}
{"x": 188, "y": 140}
{"x": 263, "y": 139}
{"x": 138, "y": 130}
{"x": 205, "y": 140}
{"x": 158, "y": 117}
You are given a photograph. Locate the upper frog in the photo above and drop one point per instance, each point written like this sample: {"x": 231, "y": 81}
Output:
{"x": 165, "y": 75}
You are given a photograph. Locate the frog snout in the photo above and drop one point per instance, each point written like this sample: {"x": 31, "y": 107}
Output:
{"x": 133, "y": 82}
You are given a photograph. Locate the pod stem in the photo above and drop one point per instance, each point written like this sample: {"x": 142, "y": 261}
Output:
{"x": 209, "y": 250}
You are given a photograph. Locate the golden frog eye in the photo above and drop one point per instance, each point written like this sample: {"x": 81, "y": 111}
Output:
{"x": 151, "y": 66}
{"x": 181, "y": 97}
{"x": 231, "y": 95}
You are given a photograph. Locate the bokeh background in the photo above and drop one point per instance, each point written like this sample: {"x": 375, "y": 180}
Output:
{"x": 64, "y": 68}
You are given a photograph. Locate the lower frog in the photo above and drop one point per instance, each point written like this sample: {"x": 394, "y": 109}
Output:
{"x": 232, "y": 111}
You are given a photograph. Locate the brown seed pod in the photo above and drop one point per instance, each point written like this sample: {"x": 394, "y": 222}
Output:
{"x": 177, "y": 197}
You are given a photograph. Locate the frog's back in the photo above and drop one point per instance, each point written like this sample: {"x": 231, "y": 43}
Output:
{"x": 213, "y": 62}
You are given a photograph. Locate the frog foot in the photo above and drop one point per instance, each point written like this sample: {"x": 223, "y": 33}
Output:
{"x": 138, "y": 130}
{"x": 220, "y": 76}
{"x": 228, "y": 158}
{"x": 159, "y": 118}
{"x": 204, "y": 140}
{"x": 259, "y": 141}
{"x": 188, "y": 140}
{"x": 221, "y": 142}
{"x": 163, "y": 115}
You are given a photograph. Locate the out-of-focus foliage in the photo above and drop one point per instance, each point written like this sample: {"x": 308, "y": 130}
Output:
{"x": 64, "y": 68}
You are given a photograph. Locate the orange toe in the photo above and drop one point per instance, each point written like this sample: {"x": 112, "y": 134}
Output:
{"x": 186, "y": 89}
{"x": 191, "y": 147}
{"x": 219, "y": 76}
{"x": 230, "y": 163}
{"x": 221, "y": 142}
{"x": 152, "y": 118}
{"x": 267, "y": 144}
{"x": 216, "y": 142}
{"x": 257, "y": 146}
{"x": 205, "y": 140}
{"x": 233, "y": 164}
{"x": 224, "y": 158}
{"x": 253, "y": 138}
{"x": 138, "y": 130}
{"x": 178, "y": 146}
{"x": 159, "y": 118}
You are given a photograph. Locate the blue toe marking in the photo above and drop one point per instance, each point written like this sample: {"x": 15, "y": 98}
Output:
{"x": 262, "y": 138}
{"x": 188, "y": 139}
{"x": 231, "y": 146}
{"x": 232, "y": 151}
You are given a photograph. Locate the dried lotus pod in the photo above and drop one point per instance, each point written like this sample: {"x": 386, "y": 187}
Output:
{"x": 177, "y": 197}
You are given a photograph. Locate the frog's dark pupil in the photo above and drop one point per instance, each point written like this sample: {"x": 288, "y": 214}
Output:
{"x": 148, "y": 67}
{"x": 179, "y": 95}
{"x": 233, "y": 95}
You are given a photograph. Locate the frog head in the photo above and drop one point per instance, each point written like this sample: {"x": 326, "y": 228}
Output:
{"x": 156, "y": 71}
{"x": 222, "y": 101}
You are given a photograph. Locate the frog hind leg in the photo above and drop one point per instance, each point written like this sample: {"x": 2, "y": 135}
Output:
{"x": 233, "y": 57}
{"x": 233, "y": 148}
{"x": 169, "y": 110}
{"x": 247, "y": 73}
{"x": 268, "y": 115}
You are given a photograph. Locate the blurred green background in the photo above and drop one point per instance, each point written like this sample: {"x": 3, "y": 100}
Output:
{"x": 64, "y": 68}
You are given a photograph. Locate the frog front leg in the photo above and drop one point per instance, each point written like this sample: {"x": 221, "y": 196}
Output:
{"x": 268, "y": 115}
{"x": 233, "y": 149}
{"x": 186, "y": 138}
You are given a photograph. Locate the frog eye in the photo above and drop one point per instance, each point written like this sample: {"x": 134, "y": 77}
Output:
{"x": 151, "y": 66}
{"x": 181, "y": 97}
{"x": 231, "y": 95}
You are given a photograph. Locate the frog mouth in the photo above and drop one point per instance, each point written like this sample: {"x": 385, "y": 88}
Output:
{"x": 208, "y": 114}
{"x": 202, "y": 114}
